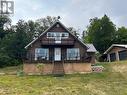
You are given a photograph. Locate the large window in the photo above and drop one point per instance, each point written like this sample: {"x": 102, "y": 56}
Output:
{"x": 123, "y": 55}
{"x": 73, "y": 54}
{"x": 57, "y": 34}
{"x": 113, "y": 57}
{"x": 41, "y": 54}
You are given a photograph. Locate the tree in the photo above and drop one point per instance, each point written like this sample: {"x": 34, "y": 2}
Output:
{"x": 121, "y": 36}
{"x": 20, "y": 39}
{"x": 32, "y": 29}
{"x": 74, "y": 31}
{"x": 4, "y": 20}
{"x": 45, "y": 23}
{"x": 101, "y": 32}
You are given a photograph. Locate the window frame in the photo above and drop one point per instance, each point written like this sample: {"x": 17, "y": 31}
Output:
{"x": 38, "y": 52}
{"x": 124, "y": 57}
{"x": 75, "y": 54}
{"x": 58, "y": 33}
{"x": 114, "y": 59}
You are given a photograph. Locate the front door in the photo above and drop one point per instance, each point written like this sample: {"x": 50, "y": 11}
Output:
{"x": 57, "y": 54}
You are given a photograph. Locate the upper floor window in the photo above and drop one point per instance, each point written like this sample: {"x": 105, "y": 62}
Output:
{"x": 57, "y": 34}
{"x": 65, "y": 35}
{"x": 50, "y": 35}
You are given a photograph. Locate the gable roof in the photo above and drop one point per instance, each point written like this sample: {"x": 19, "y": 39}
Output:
{"x": 115, "y": 45}
{"x": 91, "y": 48}
{"x": 49, "y": 29}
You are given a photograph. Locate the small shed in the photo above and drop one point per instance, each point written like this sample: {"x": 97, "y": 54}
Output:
{"x": 116, "y": 52}
{"x": 91, "y": 52}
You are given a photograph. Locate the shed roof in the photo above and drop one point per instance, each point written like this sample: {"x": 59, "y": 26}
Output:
{"x": 115, "y": 45}
{"x": 91, "y": 48}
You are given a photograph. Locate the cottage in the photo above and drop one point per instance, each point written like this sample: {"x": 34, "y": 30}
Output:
{"x": 60, "y": 51}
{"x": 116, "y": 52}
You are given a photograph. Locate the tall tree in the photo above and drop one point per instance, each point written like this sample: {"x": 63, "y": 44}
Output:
{"x": 4, "y": 20}
{"x": 121, "y": 36}
{"x": 74, "y": 31}
{"x": 101, "y": 32}
{"x": 20, "y": 39}
{"x": 44, "y": 23}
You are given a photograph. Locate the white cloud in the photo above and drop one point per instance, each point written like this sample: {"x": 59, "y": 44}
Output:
{"x": 75, "y": 13}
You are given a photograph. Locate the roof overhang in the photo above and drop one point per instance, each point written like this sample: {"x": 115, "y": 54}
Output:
{"x": 114, "y": 45}
{"x": 91, "y": 48}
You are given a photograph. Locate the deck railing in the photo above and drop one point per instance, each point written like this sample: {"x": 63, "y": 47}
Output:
{"x": 31, "y": 59}
{"x": 57, "y": 42}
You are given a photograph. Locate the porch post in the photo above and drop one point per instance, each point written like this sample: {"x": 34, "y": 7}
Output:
{"x": 108, "y": 58}
{"x": 117, "y": 56}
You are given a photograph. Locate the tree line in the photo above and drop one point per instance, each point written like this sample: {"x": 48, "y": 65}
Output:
{"x": 102, "y": 32}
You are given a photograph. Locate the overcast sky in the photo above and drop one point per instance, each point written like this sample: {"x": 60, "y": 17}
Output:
{"x": 75, "y": 13}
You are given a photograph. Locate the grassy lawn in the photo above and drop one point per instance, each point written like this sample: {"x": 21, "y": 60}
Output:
{"x": 113, "y": 81}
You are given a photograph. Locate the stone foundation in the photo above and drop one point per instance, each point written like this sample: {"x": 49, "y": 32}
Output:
{"x": 69, "y": 68}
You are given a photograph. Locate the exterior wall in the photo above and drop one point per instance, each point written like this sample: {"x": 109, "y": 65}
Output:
{"x": 68, "y": 68}
{"x": 92, "y": 54}
{"x": 77, "y": 68}
{"x": 32, "y": 69}
{"x": 115, "y": 50}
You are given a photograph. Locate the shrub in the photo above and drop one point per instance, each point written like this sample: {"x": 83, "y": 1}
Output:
{"x": 5, "y": 60}
{"x": 20, "y": 73}
{"x": 40, "y": 67}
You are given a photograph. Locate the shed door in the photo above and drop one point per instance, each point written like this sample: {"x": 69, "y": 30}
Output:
{"x": 113, "y": 57}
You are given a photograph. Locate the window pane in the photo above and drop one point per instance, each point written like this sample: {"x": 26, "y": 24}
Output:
{"x": 73, "y": 54}
{"x": 123, "y": 55}
{"x": 112, "y": 57}
{"x": 49, "y": 34}
{"x": 41, "y": 53}
{"x": 57, "y": 34}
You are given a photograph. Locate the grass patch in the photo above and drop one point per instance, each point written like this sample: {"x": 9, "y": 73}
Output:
{"x": 11, "y": 69}
{"x": 110, "y": 82}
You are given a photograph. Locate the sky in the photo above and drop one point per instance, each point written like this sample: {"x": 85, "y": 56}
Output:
{"x": 73, "y": 13}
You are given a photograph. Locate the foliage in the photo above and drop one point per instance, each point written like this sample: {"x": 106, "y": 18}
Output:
{"x": 20, "y": 73}
{"x": 45, "y": 23}
{"x": 40, "y": 67}
{"x": 13, "y": 39}
{"x": 7, "y": 61}
{"x": 11, "y": 70}
{"x": 121, "y": 36}
{"x": 74, "y": 31}
{"x": 4, "y": 22}
{"x": 101, "y": 32}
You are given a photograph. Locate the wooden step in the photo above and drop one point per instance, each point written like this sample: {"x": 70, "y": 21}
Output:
{"x": 58, "y": 68}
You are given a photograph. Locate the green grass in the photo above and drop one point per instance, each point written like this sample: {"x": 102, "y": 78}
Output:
{"x": 110, "y": 82}
{"x": 10, "y": 70}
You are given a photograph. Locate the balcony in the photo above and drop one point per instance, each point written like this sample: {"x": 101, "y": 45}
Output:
{"x": 57, "y": 42}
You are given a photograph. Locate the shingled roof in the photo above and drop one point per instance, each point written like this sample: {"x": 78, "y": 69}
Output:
{"x": 91, "y": 48}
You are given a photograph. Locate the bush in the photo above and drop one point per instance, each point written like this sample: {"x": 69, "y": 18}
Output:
{"x": 40, "y": 67}
{"x": 20, "y": 73}
{"x": 5, "y": 60}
